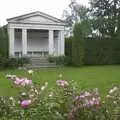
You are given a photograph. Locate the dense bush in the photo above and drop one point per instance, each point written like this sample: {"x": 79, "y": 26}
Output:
{"x": 23, "y": 60}
{"x": 3, "y": 62}
{"x": 59, "y": 60}
{"x": 13, "y": 62}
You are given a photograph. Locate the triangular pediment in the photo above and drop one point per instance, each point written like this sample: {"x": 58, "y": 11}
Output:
{"x": 36, "y": 17}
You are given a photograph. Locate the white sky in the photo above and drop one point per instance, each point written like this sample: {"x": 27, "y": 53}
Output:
{"x": 13, "y": 8}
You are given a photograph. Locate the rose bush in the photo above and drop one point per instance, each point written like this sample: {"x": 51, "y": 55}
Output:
{"x": 63, "y": 102}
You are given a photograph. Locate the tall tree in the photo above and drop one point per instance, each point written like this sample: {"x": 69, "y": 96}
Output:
{"x": 81, "y": 30}
{"x": 3, "y": 41}
{"x": 74, "y": 14}
{"x": 105, "y": 14}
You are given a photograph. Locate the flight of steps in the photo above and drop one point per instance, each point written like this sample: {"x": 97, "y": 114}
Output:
{"x": 40, "y": 62}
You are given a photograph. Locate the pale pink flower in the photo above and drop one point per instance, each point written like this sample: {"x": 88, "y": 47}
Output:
{"x": 96, "y": 101}
{"x": 91, "y": 102}
{"x": 25, "y": 103}
{"x": 79, "y": 97}
{"x": 22, "y": 81}
{"x": 62, "y": 83}
{"x": 28, "y": 82}
{"x": 23, "y": 84}
{"x": 86, "y": 94}
{"x": 18, "y": 81}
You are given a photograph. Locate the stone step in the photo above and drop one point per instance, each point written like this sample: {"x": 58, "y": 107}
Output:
{"x": 40, "y": 62}
{"x": 40, "y": 58}
{"x": 43, "y": 66}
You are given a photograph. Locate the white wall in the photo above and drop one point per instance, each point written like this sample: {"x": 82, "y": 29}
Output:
{"x": 37, "y": 40}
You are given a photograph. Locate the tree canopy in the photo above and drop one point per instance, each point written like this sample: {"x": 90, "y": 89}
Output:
{"x": 103, "y": 15}
{"x": 106, "y": 16}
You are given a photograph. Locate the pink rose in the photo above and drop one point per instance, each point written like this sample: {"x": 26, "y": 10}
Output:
{"x": 25, "y": 103}
{"x": 22, "y": 81}
{"x": 18, "y": 81}
{"x": 28, "y": 82}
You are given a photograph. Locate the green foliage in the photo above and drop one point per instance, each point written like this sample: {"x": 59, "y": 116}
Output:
{"x": 77, "y": 46}
{"x": 68, "y": 49}
{"x": 81, "y": 30}
{"x": 3, "y": 62}
{"x": 96, "y": 51}
{"x": 59, "y": 60}
{"x": 3, "y": 41}
{"x": 104, "y": 51}
{"x": 13, "y": 62}
{"x": 63, "y": 102}
{"x": 75, "y": 13}
{"x": 105, "y": 15}
{"x": 23, "y": 60}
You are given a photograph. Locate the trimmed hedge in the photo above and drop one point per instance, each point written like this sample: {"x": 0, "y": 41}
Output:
{"x": 68, "y": 49}
{"x": 98, "y": 51}
{"x": 102, "y": 52}
{"x": 59, "y": 60}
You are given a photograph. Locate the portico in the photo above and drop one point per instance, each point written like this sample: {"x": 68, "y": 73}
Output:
{"x": 35, "y": 34}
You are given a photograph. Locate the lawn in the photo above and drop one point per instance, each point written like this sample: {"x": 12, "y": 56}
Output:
{"x": 102, "y": 77}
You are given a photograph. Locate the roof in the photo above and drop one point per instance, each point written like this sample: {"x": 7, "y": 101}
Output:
{"x": 32, "y": 14}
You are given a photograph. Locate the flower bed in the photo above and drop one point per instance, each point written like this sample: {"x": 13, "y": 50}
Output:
{"x": 63, "y": 102}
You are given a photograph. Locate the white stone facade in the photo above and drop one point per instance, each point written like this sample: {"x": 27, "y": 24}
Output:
{"x": 35, "y": 34}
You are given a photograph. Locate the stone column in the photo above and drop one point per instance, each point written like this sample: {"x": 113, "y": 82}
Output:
{"x": 61, "y": 44}
{"x": 11, "y": 42}
{"x": 51, "y": 42}
{"x": 24, "y": 42}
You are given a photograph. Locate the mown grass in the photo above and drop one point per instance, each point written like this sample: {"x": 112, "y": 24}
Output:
{"x": 102, "y": 77}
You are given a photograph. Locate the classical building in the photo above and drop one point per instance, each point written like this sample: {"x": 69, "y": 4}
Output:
{"x": 35, "y": 34}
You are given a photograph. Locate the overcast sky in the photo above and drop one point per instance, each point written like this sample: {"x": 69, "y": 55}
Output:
{"x": 12, "y": 8}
